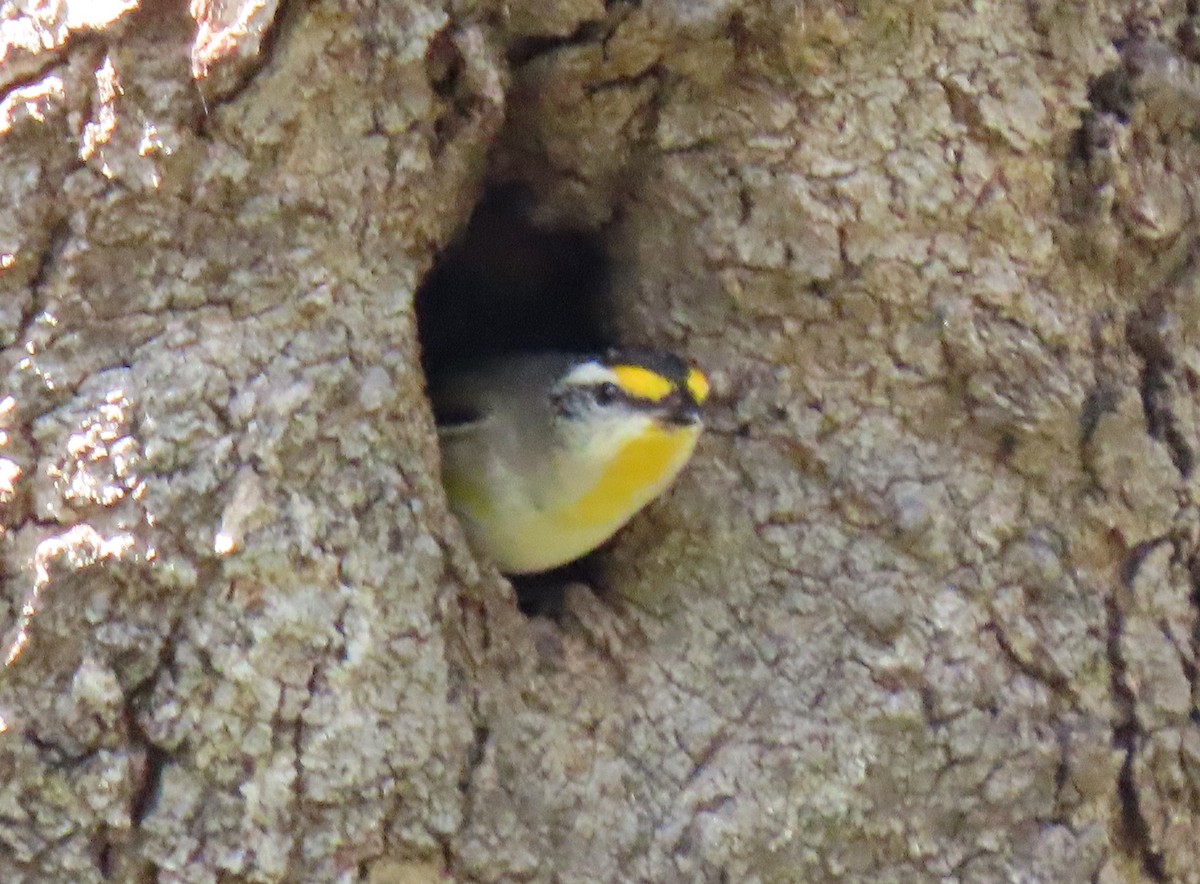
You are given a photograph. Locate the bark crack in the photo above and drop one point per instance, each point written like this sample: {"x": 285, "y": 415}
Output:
{"x": 1128, "y": 736}
{"x": 1147, "y": 339}
{"x": 240, "y": 76}
{"x": 1056, "y": 681}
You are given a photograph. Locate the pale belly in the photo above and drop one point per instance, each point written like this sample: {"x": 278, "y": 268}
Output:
{"x": 522, "y": 538}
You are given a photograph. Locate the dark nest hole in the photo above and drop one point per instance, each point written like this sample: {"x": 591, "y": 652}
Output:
{"x": 506, "y": 284}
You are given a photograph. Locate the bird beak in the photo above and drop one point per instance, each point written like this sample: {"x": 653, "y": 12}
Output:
{"x": 681, "y": 411}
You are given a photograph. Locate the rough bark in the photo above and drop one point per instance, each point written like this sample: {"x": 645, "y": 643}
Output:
{"x": 925, "y": 605}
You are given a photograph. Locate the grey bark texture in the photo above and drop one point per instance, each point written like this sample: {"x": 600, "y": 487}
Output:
{"x": 925, "y": 605}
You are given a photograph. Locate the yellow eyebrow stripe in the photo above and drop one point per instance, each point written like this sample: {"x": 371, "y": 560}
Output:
{"x": 642, "y": 383}
{"x": 697, "y": 385}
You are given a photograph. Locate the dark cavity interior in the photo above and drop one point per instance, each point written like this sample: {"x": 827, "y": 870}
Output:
{"x": 505, "y": 285}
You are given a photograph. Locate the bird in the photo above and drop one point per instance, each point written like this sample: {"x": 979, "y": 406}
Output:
{"x": 546, "y": 455}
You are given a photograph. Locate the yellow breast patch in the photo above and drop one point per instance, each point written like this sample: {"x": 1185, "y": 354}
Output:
{"x": 640, "y": 470}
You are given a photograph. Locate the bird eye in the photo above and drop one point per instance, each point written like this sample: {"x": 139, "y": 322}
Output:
{"x": 607, "y": 394}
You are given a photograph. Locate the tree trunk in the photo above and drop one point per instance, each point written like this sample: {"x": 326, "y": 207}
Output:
{"x": 923, "y": 607}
